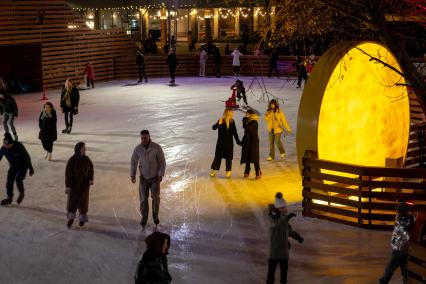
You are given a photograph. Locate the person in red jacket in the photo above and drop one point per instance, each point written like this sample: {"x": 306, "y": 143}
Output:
{"x": 90, "y": 75}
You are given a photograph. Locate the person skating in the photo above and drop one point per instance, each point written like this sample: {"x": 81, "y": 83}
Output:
{"x": 78, "y": 179}
{"x": 250, "y": 143}
{"x": 279, "y": 245}
{"x": 241, "y": 90}
{"x": 153, "y": 267}
{"x": 225, "y": 145}
{"x": 273, "y": 63}
{"x": 236, "y": 64}
{"x": 152, "y": 165}
{"x": 19, "y": 164}
{"x": 9, "y": 109}
{"x": 302, "y": 74}
{"x": 70, "y": 98}
{"x": 203, "y": 61}
{"x": 90, "y": 75}
{"x": 172, "y": 62}
{"x": 399, "y": 242}
{"x": 48, "y": 131}
{"x": 140, "y": 61}
{"x": 276, "y": 124}
{"x": 217, "y": 60}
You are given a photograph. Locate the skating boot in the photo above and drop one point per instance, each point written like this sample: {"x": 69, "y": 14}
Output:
{"x": 69, "y": 224}
{"x": 20, "y": 198}
{"x": 49, "y": 156}
{"x": 6, "y": 201}
{"x": 246, "y": 175}
{"x": 228, "y": 174}
{"x": 258, "y": 174}
{"x": 143, "y": 224}
{"x": 65, "y": 130}
{"x": 269, "y": 158}
{"x": 212, "y": 173}
{"x": 69, "y": 130}
{"x": 81, "y": 223}
{"x": 282, "y": 155}
{"x": 15, "y": 136}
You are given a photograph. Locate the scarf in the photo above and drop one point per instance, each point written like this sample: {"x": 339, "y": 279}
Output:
{"x": 252, "y": 117}
{"x": 46, "y": 115}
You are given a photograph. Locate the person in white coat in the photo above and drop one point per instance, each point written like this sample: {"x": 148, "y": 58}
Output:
{"x": 203, "y": 60}
{"x": 236, "y": 54}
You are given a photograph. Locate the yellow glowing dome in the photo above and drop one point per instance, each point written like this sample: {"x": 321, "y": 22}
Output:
{"x": 353, "y": 109}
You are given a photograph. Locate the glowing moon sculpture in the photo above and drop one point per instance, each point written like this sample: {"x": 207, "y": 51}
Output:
{"x": 354, "y": 109}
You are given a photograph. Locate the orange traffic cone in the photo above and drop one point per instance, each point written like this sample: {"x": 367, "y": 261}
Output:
{"x": 44, "y": 97}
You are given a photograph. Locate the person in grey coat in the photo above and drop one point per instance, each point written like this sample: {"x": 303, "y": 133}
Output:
{"x": 279, "y": 231}
{"x": 152, "y": 165}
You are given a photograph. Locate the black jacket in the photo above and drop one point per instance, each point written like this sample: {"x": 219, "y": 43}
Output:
{"x": 140, "y": 60}
{"x": 47, "y": 125}
{"x": 9, "y": 105}
{"x": 250, "y": 143}
{"x": 17, "y": 156}
{"x": 172, "y": 60}
{"x": 75, "y": 97}
{"x": 152, "y": 269}
{"x": 225, "y": 140}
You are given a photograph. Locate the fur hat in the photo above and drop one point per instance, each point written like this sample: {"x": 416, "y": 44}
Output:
{"x": 279, "y": 200}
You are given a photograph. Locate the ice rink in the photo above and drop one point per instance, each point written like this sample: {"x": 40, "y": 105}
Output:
{"x": 218, "y": 226}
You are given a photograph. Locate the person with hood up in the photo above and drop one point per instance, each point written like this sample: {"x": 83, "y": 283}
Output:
{"x": 399, "y": 242}
{"x": 279, "y": 232}
{"x": 19, "y": 164}
{"x": 9, "y": 109}
{"x": 78, "y": 179}
{"x": 48, "y": 132}
{"x": 225, "y": 145}
{"x": 250, "y": 143}
{"x": 140, "y": 61}
{"x": 277, "y": 124}
{"x": 153, "y": 267}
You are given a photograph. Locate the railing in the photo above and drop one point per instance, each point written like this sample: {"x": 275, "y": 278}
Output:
{"x": 416, "y": 146}
{"x": 357, "y": 195}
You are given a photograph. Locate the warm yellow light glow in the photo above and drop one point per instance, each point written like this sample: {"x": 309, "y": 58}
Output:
{"x": 353, "y": 108}
{"x": 364, "y": 117}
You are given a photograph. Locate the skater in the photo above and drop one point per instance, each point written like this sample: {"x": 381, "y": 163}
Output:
{"x": 302, "y": 74}
{"x": 279, "y": 231}
{"x": 250, "y": 143}
{"x": 236, "y": 54}
{"x": 399, "y": 242}
{"x": 19, "y": 164}
{"x": 225, "y": 145}
{"x": 153, "y": 267}
{"x": 78, "y": 179}
{"x": 140, "y": 61}
{"x": 241, "y": 90}
{"x": 277, "y": 124}
{"x": 217, "y": 60}
{"x": 48, "y": 133}
{"x": 70, "y": 98}
{"x": 203, "y": 61}
{"x": 89, "y": 74}
{"x": 150, "y": 158}
{"x": 273, "y": 59}
{"x": 9, "y": 109}
{"x": 227, "y": 49}
{"x": 310, "y": 64}
{"x": 172, "y": 62}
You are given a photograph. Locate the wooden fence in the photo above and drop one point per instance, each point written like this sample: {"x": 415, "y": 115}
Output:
{"x": 357, "y": 195}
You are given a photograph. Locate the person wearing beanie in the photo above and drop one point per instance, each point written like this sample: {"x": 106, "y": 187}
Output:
{"x": 19, "y": 164}
{"x": 279, "y": 231}
{"x": 250, "y": 143}
{"x": 401, "y": 234}
{"x": 153, "y": 267}
{"x": 78, "y": 179}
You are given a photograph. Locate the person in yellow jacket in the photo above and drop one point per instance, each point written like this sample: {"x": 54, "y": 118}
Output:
{"x": 276, "y": 124}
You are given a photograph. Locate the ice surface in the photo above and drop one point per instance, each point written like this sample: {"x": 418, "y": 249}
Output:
{"x": 218, "y": 226}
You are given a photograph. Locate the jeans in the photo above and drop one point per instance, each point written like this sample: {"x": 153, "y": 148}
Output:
{"x": 142, "y": 74}
{"x": 272, "y": 266}
{"x": 68, "y": 113}
{"x": 275, "y": 139}
{"x": 18, "y": 176}
{"x": 217, "y": 161}
{"x": 145, "y": 186}
{"x": 398, "y": 259}
{"x": 8, "y": 122}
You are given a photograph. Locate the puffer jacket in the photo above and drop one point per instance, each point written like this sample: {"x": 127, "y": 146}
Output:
{"x": 401, "y": 233}
{"x": 277, "y": 121}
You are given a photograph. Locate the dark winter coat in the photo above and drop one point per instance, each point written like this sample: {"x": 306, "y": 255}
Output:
{"x": 152, "y": 269}
{"x": 279, "y": 231}
{"x": 172, "y": 60}
{"x": 273, "y": 58}
{"x": 140, "y": 61}
{"x": 250, "y": 142}
{"x": 17, "y": 156}
{"x": 75, "y": 97}
{"x": 47, "y": 125}
{"x": 78, "y": 173}
{"x": 225, "y": 140}
{"x": 9, "y": 105}
{"x": 217, "y": 56}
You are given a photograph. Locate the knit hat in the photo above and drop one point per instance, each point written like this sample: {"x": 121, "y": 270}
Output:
{"x": 279, "y": 200}
{"x": 8, "y": 138}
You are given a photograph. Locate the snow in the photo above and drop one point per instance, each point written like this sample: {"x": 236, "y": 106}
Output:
{"x": 218, "y": 226}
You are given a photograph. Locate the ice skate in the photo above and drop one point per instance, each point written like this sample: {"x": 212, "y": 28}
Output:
{"x": 70, "y": 222}
{"x": 65, "y": 130}
{"x": 20, "y": 198}
{"x": 228, "y": 174}
{"x": 6, "y": 201}
{"x": 69, "y": 130}
{"x": 246, "y": 175}
{"x": 259, "y": 175}
{"x": 81, "y": 223}
{"x": 143, "y": 224}
{"x": 282, "y": 155}
{"x": 212, "y": 173}
{"x": 269, "y": 158}
{"x": 47, "y": 155}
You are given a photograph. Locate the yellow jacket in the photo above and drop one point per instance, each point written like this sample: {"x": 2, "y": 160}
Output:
{"x": 277, "y": 121}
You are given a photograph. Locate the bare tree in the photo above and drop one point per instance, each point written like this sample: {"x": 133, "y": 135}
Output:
{"x": 394, "y": 23}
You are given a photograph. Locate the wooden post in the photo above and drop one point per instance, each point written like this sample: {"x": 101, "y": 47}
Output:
{"x": 393, "y": 162}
